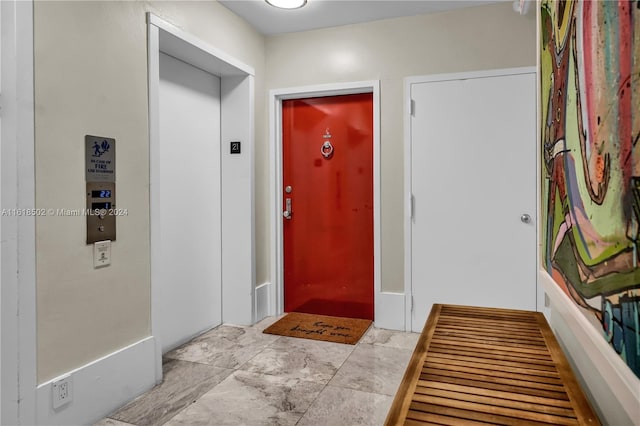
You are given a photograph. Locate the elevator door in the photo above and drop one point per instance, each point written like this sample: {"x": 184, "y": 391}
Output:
{"x": 328, "y": 205}
{"x": 188, "y": 250}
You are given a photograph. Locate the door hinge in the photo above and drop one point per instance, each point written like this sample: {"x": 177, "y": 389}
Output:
{"x": 413, "y": 108}
{"x": 412, "y": 303}
{"x": 412, "y": 204}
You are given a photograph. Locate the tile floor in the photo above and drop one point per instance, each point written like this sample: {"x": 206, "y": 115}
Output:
{"x": 240, "y": 376}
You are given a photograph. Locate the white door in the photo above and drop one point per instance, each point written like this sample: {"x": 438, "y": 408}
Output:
{"x": 473, "y": 171}
{"x": 188, "y": 250}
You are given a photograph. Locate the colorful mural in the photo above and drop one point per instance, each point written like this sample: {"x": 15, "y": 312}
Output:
{"x": 590, "y": 82}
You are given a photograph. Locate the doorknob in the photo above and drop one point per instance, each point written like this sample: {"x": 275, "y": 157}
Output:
{"x": 525, "y": 218}
{"x": 287, "y": 212}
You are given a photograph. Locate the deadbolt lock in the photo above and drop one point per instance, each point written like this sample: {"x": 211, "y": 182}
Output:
{"x": 287, "y": 211}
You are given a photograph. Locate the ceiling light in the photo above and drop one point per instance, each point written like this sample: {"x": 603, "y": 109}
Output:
{"x": 287, "y": 4}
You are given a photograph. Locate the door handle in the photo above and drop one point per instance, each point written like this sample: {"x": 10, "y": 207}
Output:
{"x": 525, "y": 218}
{"x": 287, "y": 212}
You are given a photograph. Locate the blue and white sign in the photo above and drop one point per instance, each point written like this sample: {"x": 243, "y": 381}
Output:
{"x": 100, "y": 159}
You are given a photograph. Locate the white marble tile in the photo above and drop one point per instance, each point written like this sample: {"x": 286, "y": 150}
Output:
{"x": 246, "y": 398}
{"x": 225, "y": 346}
{"x": 392, "y": 338}
{"x": 112, "y": 422}
{"x": 347, "y": 407}
{"x": 278, "y": 381}
{"x": 304, "y": 359}
{"x": 182, "y": 384}
{"x": 372, "y": 368}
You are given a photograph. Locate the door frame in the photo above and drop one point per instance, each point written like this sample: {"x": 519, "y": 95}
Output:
{"x": 408, "y": 204}
{"x": 276, "y": 96}
{"x": 18, "y": 348}
{"x": 237, "y": 171}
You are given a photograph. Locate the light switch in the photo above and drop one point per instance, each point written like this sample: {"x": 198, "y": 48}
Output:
{"x": 101, "y": 253}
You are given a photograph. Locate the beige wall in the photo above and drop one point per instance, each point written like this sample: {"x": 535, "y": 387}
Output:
{"x": 479, "y": 38}
{"x": 91, "y": 78}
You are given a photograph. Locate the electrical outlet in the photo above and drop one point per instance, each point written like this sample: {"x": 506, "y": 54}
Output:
{"x": 62, "y": 390}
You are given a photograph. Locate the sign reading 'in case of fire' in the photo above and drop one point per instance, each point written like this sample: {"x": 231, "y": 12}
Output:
{"x": 100, "y": 159}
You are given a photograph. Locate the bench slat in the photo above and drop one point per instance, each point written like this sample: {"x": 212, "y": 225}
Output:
{"x": 506, "y": 366}
{"x": 520, "y": 376}
{"x": 493, "y": 400}
{"x": 496, "y": 409}
{"x": 494, "y": 393}
{"x": 492, "y": 357}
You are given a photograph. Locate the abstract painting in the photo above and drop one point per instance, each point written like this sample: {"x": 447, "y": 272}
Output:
{"x": 590, "y": 129}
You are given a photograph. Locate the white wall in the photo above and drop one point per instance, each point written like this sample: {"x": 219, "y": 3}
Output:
{"x": 238, "y": 208}
{"x": 479, "y": 38}
{"x": 613, "y": 390}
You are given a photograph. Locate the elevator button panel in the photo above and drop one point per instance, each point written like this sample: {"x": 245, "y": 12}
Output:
{"x": 100, "y": 177}
{"x": 101, "y": 218}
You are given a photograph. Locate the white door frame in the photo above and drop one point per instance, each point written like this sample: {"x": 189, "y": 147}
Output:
{"x": 18, "y": 258}
{"x": 276, "y": 96}
{"x": 237, "y": 171}
{"x": 408, "y": 216}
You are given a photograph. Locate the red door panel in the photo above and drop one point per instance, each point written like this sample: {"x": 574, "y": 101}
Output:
{"x": 328, "y": 237}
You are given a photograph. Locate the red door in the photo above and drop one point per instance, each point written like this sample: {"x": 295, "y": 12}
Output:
{"x": 328, "y": 190}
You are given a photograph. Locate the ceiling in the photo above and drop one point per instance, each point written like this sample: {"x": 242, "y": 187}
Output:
{"x": 330, "y": 13}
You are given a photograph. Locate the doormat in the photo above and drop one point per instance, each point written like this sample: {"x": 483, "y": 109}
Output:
{"x": 320, "y": 327}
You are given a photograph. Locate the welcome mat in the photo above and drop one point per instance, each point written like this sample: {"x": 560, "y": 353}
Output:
{"x": 320, "y": 327}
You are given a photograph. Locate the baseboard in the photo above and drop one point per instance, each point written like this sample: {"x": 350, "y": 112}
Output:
{"x": 390, "y": 311}
{"x": 389, "y": 307}
{"x": 263, "y": 292}
{"x": 101, "y": 386}
{"x": 612, "y": 388}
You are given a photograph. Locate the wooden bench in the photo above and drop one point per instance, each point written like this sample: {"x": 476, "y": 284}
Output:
{"x": 483, "y": 365}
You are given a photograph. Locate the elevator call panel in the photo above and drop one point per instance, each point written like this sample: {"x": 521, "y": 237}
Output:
{"x": 100, "y": 176}
{"x": 101, "y": 218}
